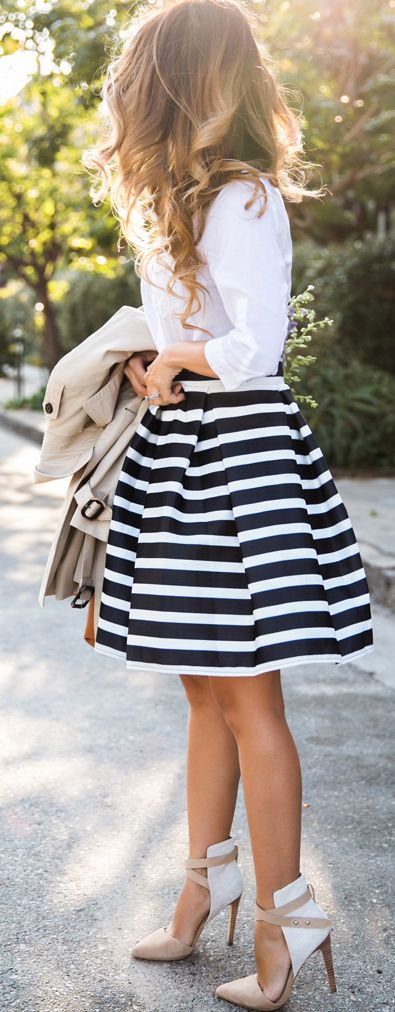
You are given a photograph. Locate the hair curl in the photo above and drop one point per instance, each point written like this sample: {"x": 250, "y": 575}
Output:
{"x": 192, "y": 103}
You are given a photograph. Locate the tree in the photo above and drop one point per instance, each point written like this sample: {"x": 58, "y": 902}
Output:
{"x": 46, "y": 217}
{"x": 339, "y": 56}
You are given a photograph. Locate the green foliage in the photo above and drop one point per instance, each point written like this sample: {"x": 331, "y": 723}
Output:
{"x": 365, "y": 292}
{"x": 339, "y": 57}
{"x": 355, "y": 283}
{"x": 47, "y": 219}
{"x": 34, "y": 402}
{"x": 303, "y": 325}
{"x": 354, "y": 421}
{"x": 350, "y": 376}
{"x": 93, "y": 297}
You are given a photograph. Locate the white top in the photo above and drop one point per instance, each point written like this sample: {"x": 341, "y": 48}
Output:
{"x": 248, "y": 276}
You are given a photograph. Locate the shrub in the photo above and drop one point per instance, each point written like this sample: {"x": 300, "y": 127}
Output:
{"x": 352, "y": 377}
{"x": 355, "y": 284}
{"x": 354, "y": 421}
{"x": 92, "y": 297}
{"x": 365, "y": 290}
{"x": 34, "y": 402}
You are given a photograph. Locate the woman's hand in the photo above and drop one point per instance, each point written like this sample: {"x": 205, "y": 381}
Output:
{"x": 159, "y": 380}
{"x": 135, "y": 370}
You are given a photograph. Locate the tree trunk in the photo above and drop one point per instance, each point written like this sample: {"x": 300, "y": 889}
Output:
{"x": 53, "y": 348}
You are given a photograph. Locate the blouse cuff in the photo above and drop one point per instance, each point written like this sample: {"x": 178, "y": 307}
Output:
{"x": 231, "y": 375}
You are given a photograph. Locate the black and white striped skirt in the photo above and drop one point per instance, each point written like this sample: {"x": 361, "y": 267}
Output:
{"x": 230, "y": 550}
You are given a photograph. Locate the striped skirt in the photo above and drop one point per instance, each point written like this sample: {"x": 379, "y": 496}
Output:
{"x": 230, "y": 551}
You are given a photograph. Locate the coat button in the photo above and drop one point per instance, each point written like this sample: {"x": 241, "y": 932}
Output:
{"x": 49, "y": 408}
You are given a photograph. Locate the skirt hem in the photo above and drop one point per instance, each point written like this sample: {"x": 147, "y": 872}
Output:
{"x": 173, "y": 669}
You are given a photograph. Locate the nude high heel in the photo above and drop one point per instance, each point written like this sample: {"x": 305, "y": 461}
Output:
{"x": 225, "y": 884}
{"x": 305, "y": 928}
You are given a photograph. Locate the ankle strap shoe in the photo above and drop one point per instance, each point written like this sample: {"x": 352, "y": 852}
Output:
{"x": 225, "y": 885}
{"x": 305, "y": 927}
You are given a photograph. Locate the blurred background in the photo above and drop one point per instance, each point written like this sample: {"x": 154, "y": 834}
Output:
{"x": 62, "y": 274}
{"x": 92, "y": 792}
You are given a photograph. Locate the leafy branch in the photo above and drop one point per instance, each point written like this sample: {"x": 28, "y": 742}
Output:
{"x": 302, "y": 325}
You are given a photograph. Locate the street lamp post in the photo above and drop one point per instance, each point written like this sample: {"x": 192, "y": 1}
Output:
{"x": 18, "y": 348}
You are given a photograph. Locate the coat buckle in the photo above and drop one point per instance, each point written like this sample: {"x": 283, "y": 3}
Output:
{"x": 77, "y": 601}
{"x": 93, "y": 516}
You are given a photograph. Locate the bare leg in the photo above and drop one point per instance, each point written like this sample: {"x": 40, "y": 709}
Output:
{"x": 270, "y": 771}
{"x": 212, "y": 781}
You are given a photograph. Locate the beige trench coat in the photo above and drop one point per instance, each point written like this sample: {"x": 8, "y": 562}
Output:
{"x": 91, "y": 413}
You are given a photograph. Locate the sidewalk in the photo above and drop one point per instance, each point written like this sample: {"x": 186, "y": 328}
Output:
{"x": 93, "y": 835}
{"x": 371, "y": 505}
{"x": 24, "y": 422}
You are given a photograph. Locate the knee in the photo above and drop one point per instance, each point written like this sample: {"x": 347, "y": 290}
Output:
{"x": 197, "y": 690}
{"x": 251, "y": 713}
{"x": 245, "y": 722}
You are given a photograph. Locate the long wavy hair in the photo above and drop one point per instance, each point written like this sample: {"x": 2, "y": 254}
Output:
{"x": 191, "y": 103}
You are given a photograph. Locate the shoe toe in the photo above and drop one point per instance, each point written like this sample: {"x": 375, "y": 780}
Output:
{"x": 152, "y": 946}
{"x": 244, "y": 992}
{"x": 161, "y": 945}
{"x": 224, "y": 990}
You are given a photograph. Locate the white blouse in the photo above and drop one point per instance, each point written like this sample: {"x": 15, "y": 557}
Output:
{"x": 248, "y": 276}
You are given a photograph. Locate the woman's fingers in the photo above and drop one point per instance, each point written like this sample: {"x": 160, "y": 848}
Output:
{"x": 173, "y": 396}
{"x": 149, "y": 354}
{"x": 140, "y": 387}
{"x": 161, "y": 380}
{"x": 135, "y": 375}
{"x": 135, "y": 370}
{"x": 143, "y": 380}
{"x": 176, "y": 398}
{"x": 168, "y": 398}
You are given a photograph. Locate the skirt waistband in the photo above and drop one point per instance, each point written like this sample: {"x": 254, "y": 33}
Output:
{"x": 187, "y": 374}
{"x": 195, "y": 381}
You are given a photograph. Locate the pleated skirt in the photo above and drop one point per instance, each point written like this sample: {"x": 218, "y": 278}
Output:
{"x": 230, "y": 550}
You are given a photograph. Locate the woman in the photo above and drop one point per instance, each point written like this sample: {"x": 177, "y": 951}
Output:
{"x": 230, "y": 553}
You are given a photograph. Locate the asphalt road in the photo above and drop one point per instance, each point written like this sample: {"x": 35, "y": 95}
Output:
{"x": 93, "y": 829}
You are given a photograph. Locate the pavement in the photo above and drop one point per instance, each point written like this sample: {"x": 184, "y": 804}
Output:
{"x": 93, "y": 832}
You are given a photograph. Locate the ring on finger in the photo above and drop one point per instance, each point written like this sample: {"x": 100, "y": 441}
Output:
{"x": 150, "y": 397}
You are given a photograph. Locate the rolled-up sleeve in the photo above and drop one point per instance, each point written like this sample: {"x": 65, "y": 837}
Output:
{"x": 249, "y": 259}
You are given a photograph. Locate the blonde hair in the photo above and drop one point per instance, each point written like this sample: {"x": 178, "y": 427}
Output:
{"x": 192, "y": 104}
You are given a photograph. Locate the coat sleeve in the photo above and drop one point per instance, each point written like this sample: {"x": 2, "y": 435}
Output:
{"x": 88, "y": 364}
{"x": 83, "y": 389}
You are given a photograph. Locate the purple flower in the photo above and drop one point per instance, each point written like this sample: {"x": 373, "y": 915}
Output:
{"x": 292, "y": 322}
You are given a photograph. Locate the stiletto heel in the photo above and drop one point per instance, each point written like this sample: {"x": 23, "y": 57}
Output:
{"x": 233, "y": 911}
{"x": 326, "y": 950}
{"x": 305, "y": 927}
{"x": 225, "y": 885}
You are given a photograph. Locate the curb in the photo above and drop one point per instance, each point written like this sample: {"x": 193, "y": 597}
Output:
{"x": 380, "y": 572}
{"x": 21, "y": 427}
